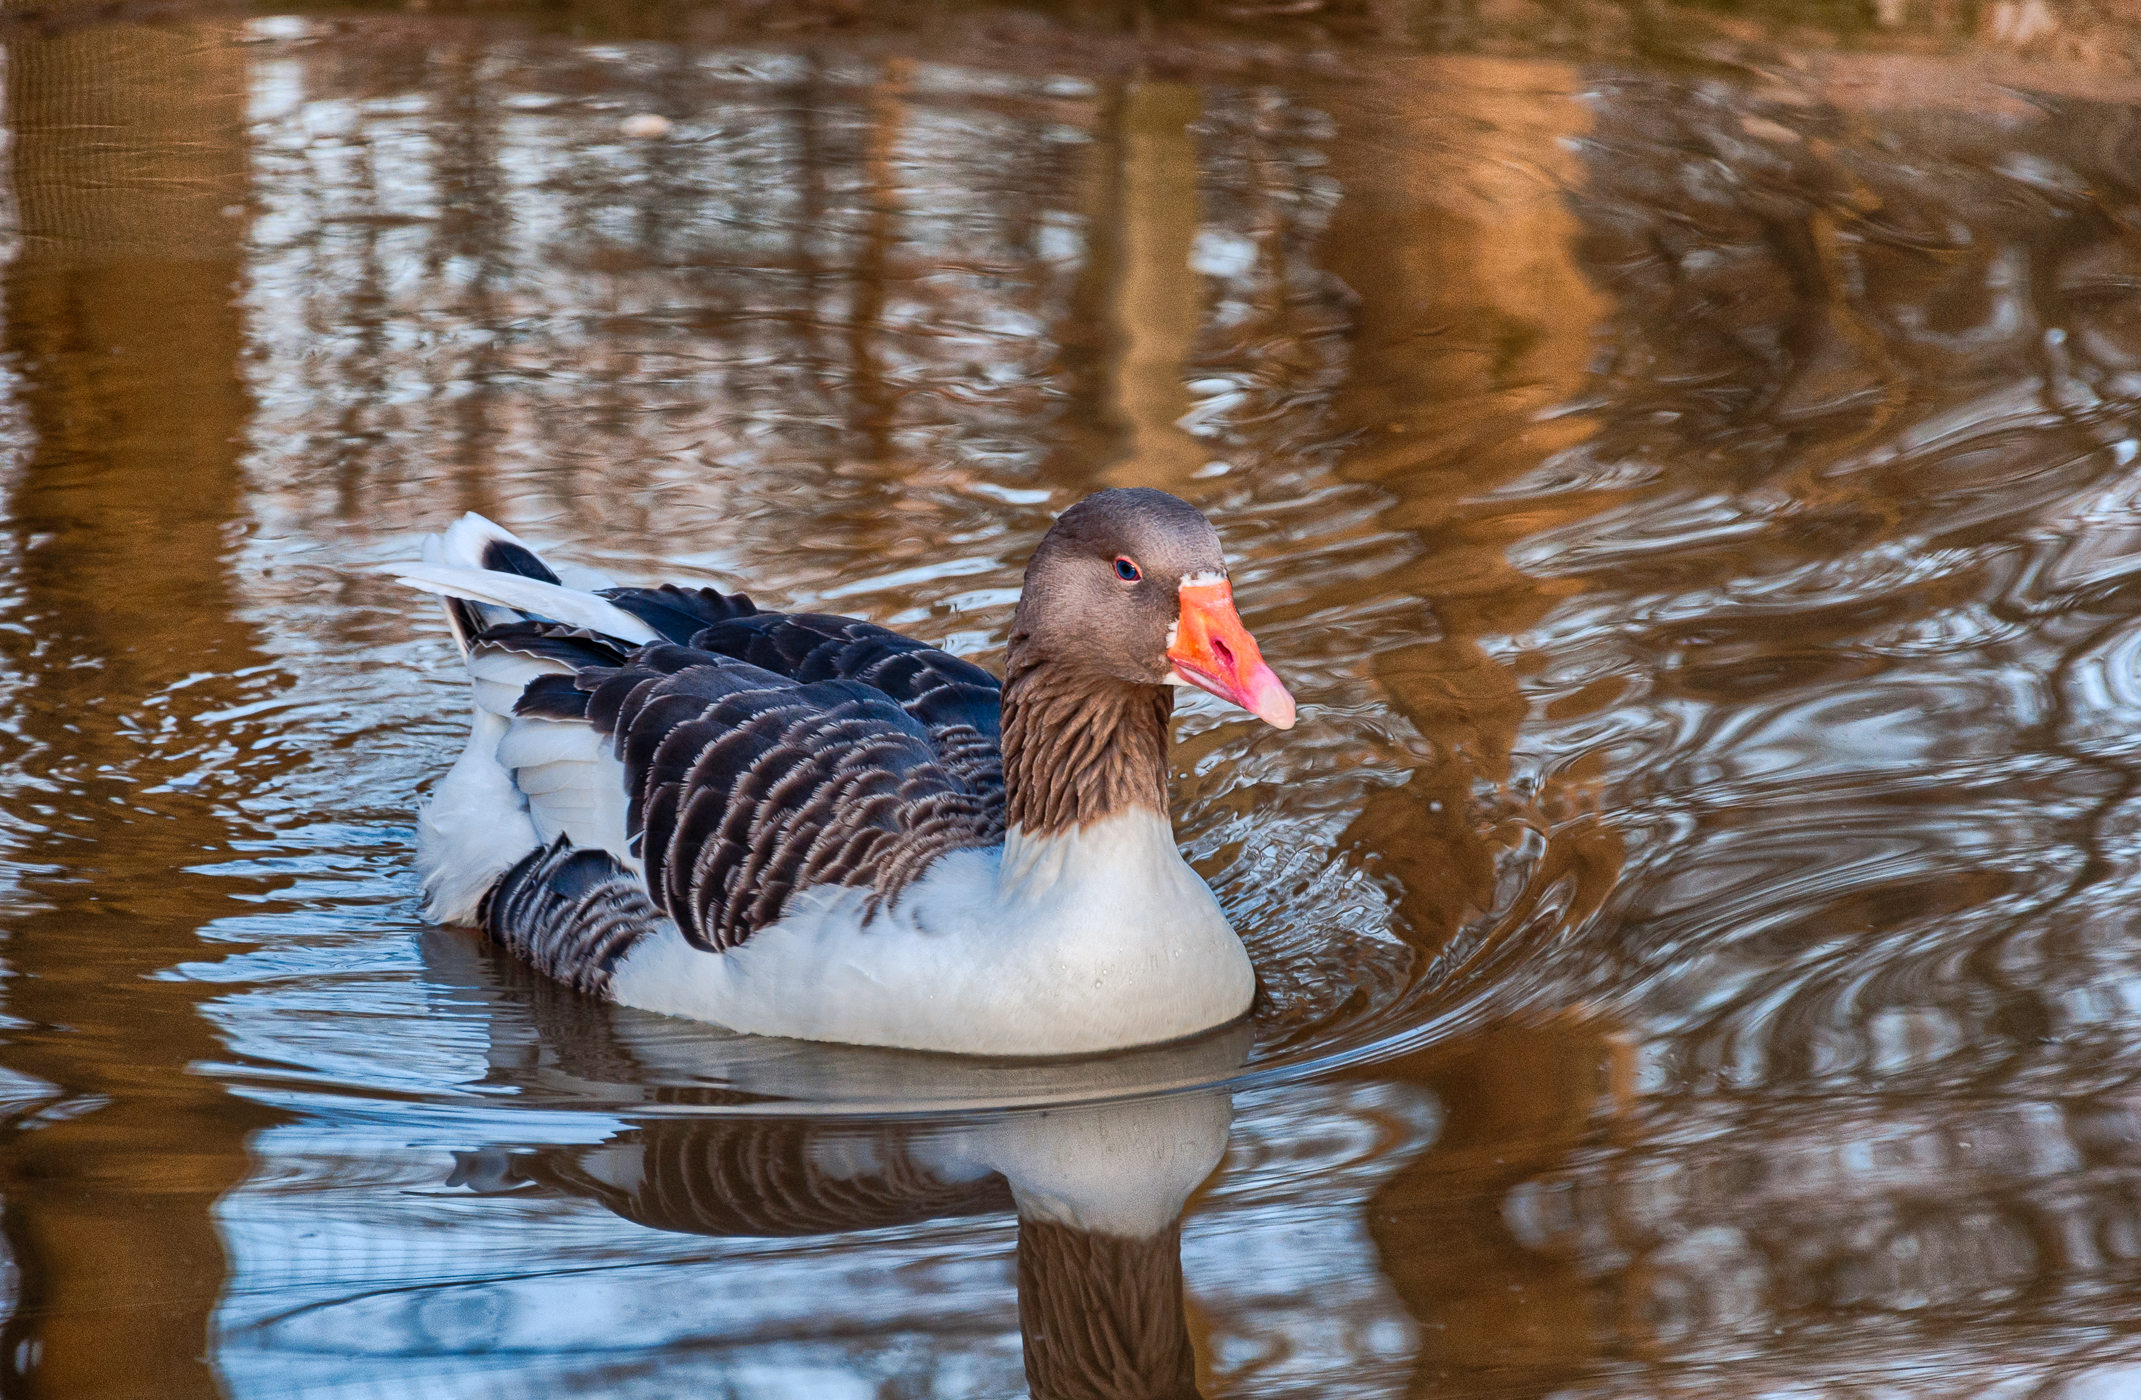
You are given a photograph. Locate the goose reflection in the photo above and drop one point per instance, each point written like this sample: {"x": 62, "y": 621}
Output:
{"x": 783, "y": 1139}
{"x": 1098, "y": 1190}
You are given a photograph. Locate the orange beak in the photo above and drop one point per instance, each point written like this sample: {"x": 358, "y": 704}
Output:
{"x": 1214, "y": 652}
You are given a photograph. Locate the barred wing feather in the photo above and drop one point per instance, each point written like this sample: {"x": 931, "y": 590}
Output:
{"x": 957, "y": 702}
{"x": 745, "y": 786}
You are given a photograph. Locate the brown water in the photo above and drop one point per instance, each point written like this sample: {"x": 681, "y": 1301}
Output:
{"x": 1690, "y": 480}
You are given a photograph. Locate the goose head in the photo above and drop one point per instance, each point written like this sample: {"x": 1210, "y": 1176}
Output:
{"x": 1131, "y": 585}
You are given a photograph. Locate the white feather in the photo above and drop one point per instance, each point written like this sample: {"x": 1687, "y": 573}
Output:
{"x": 462, "y": 544}
{"x": 473, "y": 829}
{"x": 496, "y": 698}
{"x": 554, "y": 601}
{"x": 574, "y": 783}
{"x": 495, "y": 663}
{"x": 1087, "y": 941}
{"x": 532, "y": 741}
{"x": 500, "y": 676}
{"x": 542, "y": 779}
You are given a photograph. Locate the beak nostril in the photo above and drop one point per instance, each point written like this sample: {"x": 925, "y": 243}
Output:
{"x": 1226, "y": 657}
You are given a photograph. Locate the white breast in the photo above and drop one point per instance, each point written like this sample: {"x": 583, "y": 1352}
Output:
{"x": 1090, "y": 940}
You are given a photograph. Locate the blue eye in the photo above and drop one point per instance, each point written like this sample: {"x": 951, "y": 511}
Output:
{"x": 1126, "y": 570}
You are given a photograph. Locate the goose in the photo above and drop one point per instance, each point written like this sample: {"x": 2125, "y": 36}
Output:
{"x": 814, "y": 827}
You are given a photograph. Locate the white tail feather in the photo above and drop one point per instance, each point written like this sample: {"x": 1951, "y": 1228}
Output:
{"x": 481, "y": 819}
{"x": 462, "y": 544}
{"x": 558, "y": 603}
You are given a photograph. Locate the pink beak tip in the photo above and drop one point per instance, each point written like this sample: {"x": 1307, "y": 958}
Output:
{"x": 1269, "y": 700}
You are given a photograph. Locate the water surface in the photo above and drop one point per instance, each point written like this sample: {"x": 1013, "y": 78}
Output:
{"x": 1690, "y": 485}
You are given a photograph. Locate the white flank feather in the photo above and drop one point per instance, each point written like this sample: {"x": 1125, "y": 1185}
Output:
{"x": 472, "y": 830}
{"x": 533, "y": 742}
{"x": 574, "y": 783}
{"x": 499, "y": 676}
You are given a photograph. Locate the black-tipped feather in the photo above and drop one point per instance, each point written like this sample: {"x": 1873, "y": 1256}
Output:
{"x": 553, "y": 697}
{"x": 737, "y": 800}
{"x": 814, "y": 647}
{"x": 570, "y": 913}
{"x": 957, "y": 702}
{"x": 577, "y": 647}
{"x": 506, "y": 557}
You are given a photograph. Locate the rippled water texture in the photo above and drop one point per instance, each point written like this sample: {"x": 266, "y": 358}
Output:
{"x": 1696, "y": 501}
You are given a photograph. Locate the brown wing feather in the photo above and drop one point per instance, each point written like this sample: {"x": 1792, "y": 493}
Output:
{"x": 745, "y": 787}
{"x": 956, "y": 702}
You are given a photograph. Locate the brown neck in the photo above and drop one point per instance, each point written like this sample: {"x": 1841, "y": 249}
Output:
{"x": 1079, "y": 747}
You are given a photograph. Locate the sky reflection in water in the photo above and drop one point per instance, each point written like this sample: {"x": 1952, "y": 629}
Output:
{"x": 1696, "y": 507}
